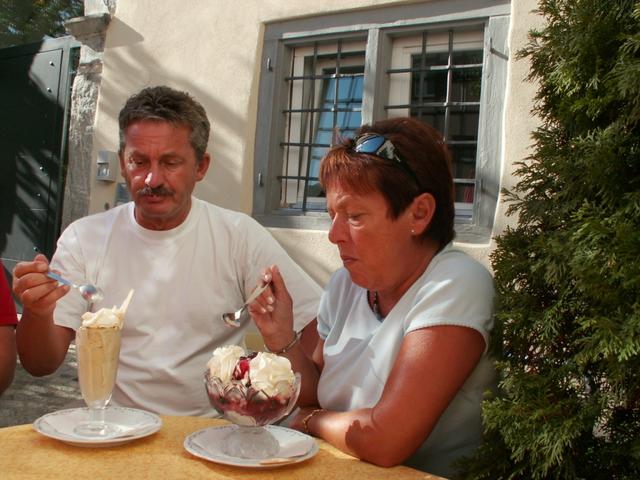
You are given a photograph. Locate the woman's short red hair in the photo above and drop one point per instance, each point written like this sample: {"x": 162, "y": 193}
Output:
{"x": 422, "y": 148}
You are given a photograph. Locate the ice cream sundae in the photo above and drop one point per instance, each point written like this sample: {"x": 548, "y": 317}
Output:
{"x": 251, "y": 389}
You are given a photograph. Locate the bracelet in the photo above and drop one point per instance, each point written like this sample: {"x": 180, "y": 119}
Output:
{"x": 296, "y": 337}
{"x": 305, "y": 420}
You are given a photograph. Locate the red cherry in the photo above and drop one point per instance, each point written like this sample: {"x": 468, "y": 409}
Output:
{"x": 242, "y": 368}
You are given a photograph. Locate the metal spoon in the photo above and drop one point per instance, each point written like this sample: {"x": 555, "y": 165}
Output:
{"x": 232, "y": 319}
{"x": 91, "y": 293}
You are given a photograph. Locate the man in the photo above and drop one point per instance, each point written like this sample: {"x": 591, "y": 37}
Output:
{"x": 187, "y": 260}
{"x": 8, "y": 320}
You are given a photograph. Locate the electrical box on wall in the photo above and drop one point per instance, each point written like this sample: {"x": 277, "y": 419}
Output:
{"x": 107, "y": 166}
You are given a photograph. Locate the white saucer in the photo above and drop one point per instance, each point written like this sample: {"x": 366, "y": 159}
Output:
{"x": 206, "y": 444}
{"x": 132, "y": 423}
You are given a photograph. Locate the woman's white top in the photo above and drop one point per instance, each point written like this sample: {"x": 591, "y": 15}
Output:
{"x": 360, "y": 350}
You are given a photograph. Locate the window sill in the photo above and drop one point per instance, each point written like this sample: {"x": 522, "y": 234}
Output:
{"x": 465, "y": 232}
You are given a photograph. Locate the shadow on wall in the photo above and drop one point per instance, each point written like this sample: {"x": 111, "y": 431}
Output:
{"x": 228, "y": 129}
{"x": 31, "y": 169}
{"x": 228, "y": 182}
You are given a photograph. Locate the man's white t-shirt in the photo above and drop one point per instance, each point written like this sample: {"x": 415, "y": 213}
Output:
{"x": 360, "y": 350}
{"x": 184, "y": 280}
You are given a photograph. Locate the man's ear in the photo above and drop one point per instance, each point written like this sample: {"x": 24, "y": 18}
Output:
{"x": 121, "y": 159}
{"x": 203, "y": 166}
{"x": 423, "y": 209}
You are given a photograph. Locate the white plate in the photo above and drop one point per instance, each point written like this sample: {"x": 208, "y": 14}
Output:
{"x": 132, "y": 423}
{"x": 206, "y": 444}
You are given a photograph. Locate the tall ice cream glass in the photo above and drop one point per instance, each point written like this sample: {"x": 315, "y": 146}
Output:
{"x": 98, "y": 351}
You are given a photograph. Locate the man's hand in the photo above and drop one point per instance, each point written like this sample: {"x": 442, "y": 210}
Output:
{"x": 42, "y": 345}
{"x": 37, "y": 292}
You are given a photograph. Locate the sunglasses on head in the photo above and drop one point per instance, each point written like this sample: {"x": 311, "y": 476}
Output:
{"x": 380, "y": 146}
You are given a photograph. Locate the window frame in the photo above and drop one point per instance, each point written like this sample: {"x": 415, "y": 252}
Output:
{"x": 377, "y": 27}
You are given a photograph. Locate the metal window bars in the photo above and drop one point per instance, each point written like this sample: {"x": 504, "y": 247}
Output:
{"x": 324, "y": 104}
{"x": 445, "y": 92}
{"x": 325, "y": 89}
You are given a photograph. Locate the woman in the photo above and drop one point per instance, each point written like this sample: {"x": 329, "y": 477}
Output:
{"x": 401, "y": 365}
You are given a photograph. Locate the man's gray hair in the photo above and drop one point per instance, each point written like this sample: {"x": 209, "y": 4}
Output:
{"x": 166, "y": 104}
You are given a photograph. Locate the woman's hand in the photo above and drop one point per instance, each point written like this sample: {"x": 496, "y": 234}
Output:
{"x": 272, "y": 311}
{"x": 297, "y": 421}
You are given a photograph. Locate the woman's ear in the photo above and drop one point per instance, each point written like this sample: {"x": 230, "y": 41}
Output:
{"x": 423, "y": 209}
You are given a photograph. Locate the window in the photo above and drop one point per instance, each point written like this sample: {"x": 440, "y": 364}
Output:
{"x": 442, "y": 62}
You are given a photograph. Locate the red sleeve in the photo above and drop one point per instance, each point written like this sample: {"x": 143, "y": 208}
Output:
{"x": 7, "y": 307}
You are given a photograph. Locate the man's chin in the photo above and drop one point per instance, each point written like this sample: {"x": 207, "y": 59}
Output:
{"x": 152, "y": 199}
{"x": 153, "y": 206}
{"x": 157, "y": 219}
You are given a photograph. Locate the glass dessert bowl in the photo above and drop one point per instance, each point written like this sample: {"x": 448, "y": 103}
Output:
{"x": 250, "y": 410}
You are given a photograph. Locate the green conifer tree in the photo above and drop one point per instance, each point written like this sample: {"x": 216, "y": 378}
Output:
{"x": 26, "y": 21}
{"x": 567, "y": 275}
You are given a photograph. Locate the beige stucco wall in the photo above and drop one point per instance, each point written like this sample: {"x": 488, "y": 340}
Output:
{"x": 518, "y": 120}
{"x": 211, "y": 48}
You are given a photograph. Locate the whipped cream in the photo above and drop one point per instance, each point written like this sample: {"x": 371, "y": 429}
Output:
{"x": 107, "y": 317}
{"x": 224, "y": 361}
{"x": 266, "y": 371}
{"x": 271, "y": 374}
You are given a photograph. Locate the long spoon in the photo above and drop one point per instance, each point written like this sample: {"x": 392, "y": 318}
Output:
{"x": 91, "y": 293}
{"x": 232, "y": 319}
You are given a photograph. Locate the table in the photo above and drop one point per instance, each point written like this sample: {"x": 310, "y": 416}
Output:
{"x": 27, "y": 454}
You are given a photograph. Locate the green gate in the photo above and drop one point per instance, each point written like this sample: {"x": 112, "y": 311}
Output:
{"x": 35, "y": 92}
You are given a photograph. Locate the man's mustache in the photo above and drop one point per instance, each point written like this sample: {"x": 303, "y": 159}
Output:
{"x": 160, "y": 191}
